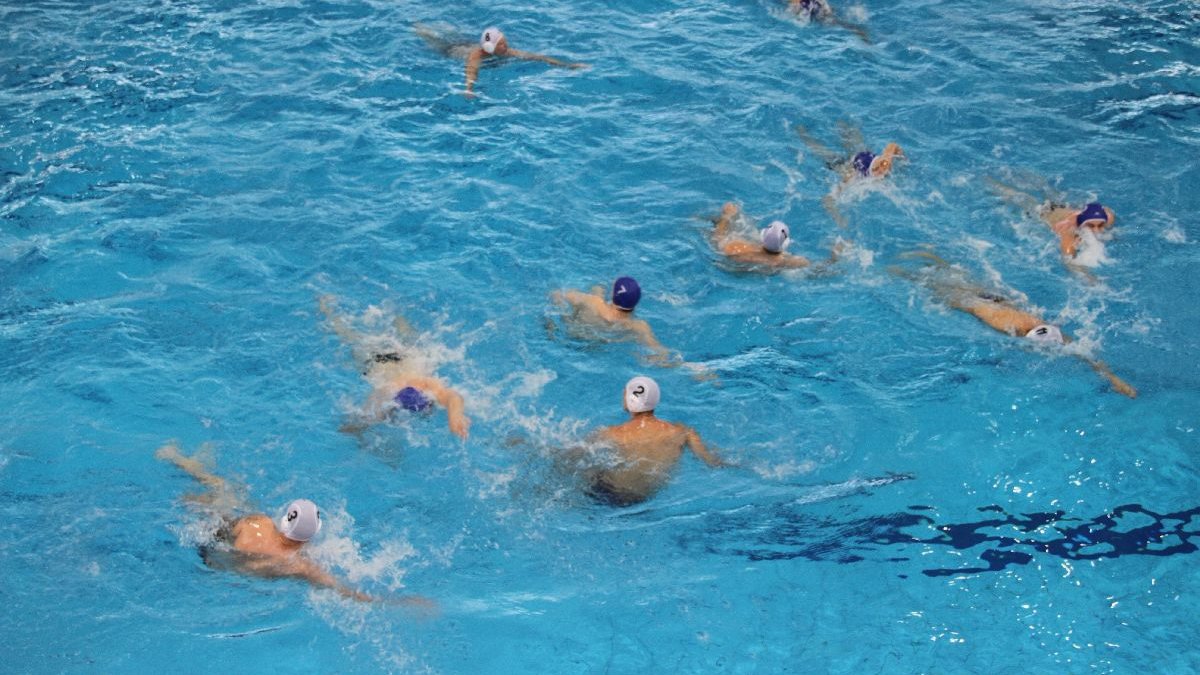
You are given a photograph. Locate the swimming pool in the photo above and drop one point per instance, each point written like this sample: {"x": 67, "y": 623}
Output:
{"x": 179, "y": 182}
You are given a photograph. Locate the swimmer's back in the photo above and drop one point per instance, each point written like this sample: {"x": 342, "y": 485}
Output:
{"x": 655, "y": 443}
{"x": 256, "y": 534}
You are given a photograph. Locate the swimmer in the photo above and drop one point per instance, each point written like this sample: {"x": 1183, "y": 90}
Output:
{"x": 819, "y": 10}
{"x": 770, "y": 253}
{"x": 854, "y": 164}
{"x": 492, "y": 45}
{"x": 255, "y": 543}
{"x": 1000, "y": 313}
{"x": 399, "y": 376}
{"x": 591, "y": 310}
{"x": 646, "y": 449}
{"x": 1069, "y": 223}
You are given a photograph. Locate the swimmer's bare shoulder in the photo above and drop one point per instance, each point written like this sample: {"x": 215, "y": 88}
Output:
{"x": 255, "y": 534}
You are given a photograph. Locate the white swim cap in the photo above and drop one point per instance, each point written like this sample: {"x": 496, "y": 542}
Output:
{"x": 490, "y": 38}
{"x": 775, "y": 237}
{"x": 1045, "y": 333}
{"x": 641, "y": 394}
{"x": 301, "y": 521}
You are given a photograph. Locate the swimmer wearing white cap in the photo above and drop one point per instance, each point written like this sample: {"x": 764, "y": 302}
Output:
{"x": 997, "y": 311}
{"x": 592, "y": 311}
{"x": 493, "y": 44}
{"x": 647, "y": 448}
{"x": 770, "y": 253}
{"x": 258, "y": 544}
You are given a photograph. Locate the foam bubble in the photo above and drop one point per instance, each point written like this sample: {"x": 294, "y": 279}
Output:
{"x": 335, "y": 549}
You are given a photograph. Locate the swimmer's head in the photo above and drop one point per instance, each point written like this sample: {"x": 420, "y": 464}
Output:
{"x": 862, "y": 162}
{"x": 882, "y": 165}
{"x": 413, "y": 400}
{"x": 301, "y": 521}
{"x": 641, "y": 395}
{"x": 1096, "y": 216}
{"x": 626, "y": 293}
{"x": 492, "y": 41}
{"x": 1045, "y": 333}
{"x": 775, "y": 237}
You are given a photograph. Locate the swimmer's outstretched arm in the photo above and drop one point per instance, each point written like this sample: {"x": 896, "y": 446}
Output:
{"x": 169, "y": 452}
{"x": 858, "y": 30}
{"x": 829, "y": 201}
{"x": 299, "y": 567}
{"x": 459, "y": 423}
{"x": 337, "y": 323}
{"x": 1068, "y": 236}
{"x": 697, "y": 446}
{"x": 852, "y": 137}
{"x": 1120, "y": 386}
{"x": 530, "y": 56}
{"x": 724, "y": 222}
{"x": 1012, "y": 195}
{"x": 827, "y": 154}
{"x": 645, "y": 336}
{"x": 473, "y": 69}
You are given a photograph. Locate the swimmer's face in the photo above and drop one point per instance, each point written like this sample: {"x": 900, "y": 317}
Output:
{"x": 501, "y": 47}
{"x": 1100, "y": 225}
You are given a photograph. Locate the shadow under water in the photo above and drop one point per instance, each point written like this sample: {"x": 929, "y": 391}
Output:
{"x": 1006, "y": 539}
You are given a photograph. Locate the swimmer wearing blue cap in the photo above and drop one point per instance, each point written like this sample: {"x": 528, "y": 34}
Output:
{"x": 819, "y": 10}
{"x": 399, "y": 377}
{"x": 768, "y": 253}
{"x": 257, "y": 544}
{"x": 591, "y": 310}
{"x": 1067, "y": 222}
{"x": 494, "y": 45}
{"x": 952, "y": 286}
{"x": 646, "y": 449}
{"x": 853, "y": 164}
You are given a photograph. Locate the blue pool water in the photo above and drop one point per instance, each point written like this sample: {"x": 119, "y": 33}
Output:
{"x": 180, "y": 181}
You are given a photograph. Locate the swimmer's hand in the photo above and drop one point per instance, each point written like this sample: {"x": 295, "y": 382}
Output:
{"x": 169, "y": 452}
{"x": 729, "y": 210}
{"x": 423, "y": 606}
{"x": 1123, "y": 387}
{"x": 328, "y": 305}
{"x": 577, "y": 66}
{"x": 460, "y": 425}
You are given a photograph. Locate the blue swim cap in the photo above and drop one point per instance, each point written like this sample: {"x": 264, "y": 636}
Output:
{"x": 626, "y": 293}
{"x": 862, "y": 162}
{"x": 1093, "y": 211}
{"x": 412, "y": 399}
{"x": 810, "y": 7}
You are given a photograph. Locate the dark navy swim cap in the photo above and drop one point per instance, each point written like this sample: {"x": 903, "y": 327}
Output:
{"x": 626, "y": 293}
{"x": 412, "y": 399}
{"x": 862, "y": 162}
{"x": 1093, "y": 211}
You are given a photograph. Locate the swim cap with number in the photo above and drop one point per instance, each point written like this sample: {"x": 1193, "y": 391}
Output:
{"x": 301, "y": 521}
{"x": 626, "y": 293}
{"x": 775, "y": 237}
{"x": 641, "y": 395}
{"x": 490, "y": 38}
{"x": 1045, "y": 333}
